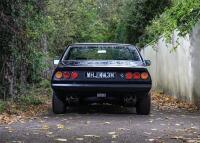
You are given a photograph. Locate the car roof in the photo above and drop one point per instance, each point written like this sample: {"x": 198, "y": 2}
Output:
{"x": 101, "y": 44}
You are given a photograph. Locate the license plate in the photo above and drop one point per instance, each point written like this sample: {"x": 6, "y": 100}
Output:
{"x": 100, "y": 75}
{"x": 101, "y": 95}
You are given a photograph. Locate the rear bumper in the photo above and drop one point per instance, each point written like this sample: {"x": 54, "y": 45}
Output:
{"x": 125, "y": 88}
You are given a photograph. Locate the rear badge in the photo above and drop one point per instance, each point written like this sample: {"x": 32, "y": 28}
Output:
{"x": 101, "y": 95}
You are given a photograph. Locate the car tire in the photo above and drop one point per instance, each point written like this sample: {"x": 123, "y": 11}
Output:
{"x": 143, "y": 105}
{"x": 58, "y": 104}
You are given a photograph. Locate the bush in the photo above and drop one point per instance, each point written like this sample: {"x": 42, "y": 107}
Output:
{"x": 27, "y": 100}
{"x": 2, "y": 106}
{"x": 136, "y": 16}
{"x": 45, "y": 84}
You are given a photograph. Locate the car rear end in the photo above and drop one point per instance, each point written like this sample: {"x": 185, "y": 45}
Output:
{"x": 113, "y": 74}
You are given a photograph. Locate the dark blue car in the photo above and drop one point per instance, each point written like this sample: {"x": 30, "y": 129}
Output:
{"x": 102, "y": 73}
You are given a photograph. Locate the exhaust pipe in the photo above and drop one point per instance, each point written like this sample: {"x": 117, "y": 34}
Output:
{"x": 129, "y": 101}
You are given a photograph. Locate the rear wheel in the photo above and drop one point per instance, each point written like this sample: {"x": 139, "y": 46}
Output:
{"x": 58, "y": 104}
{"x": 143, "y": 105}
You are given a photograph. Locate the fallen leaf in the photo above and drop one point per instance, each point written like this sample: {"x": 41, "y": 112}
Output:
{"x": 88, "y": 122}
{"x": 177, "y": 137}
{"x": 60, "y": 126}
{"x": 68, "y": 128}
{"x": 150, "y": 121}
{"x": 79, "y": 139}
{"x": 123, "y": 129}
{"x": 151, "y": 140}
{"x": 95, "y": 136}
{"x": 61, "y": 140}
{"x": 49, "y": 133}
{"x": 16, "y": 141}
{"x": 112, "y": 133}
{"x": 192, "y": 141}
{"x": 27, "y": 134}
{"x": 154, "y": 129}
{"x": 147, "y": 133}
{"x": 45, "y": 127}
{"x": 114, "y": 136}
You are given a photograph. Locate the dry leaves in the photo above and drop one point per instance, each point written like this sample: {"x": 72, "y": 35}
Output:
{"x": 163, "y": 102}
{"x": 186, "y": 140}
{"x": 14, "y": 113}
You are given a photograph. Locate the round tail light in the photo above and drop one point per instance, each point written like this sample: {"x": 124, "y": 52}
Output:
{"x": 136, "y": 75}
{"x": 144, "y": 75}
{"x": 74, "y": 75}
{"x": 128, "y": 75}
{"x": 66, "y": 75}
{"x": 59, "y": 75}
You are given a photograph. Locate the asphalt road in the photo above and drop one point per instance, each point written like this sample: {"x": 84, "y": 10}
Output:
{"x": 107, "y": 124}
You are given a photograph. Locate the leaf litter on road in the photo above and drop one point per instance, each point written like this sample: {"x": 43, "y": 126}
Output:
{"x": 163, "y": 102}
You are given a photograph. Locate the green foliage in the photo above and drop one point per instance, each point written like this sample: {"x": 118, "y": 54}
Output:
{"x": 82, "y": 21}
{"x": 182, "y": 15}
{"x": 23, "y": 53}
{"x": 136, "y": 15}
{"x": 2, "y": 106}
{"x": 28, "y": 100}
{"x": 34, "y": 96}
{"x": 44, "y": 84}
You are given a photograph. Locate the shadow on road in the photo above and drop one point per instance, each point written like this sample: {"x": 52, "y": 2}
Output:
{"x": 100, "y": 109}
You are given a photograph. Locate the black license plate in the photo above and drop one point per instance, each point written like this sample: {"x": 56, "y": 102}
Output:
{"x": 100, "y": 75}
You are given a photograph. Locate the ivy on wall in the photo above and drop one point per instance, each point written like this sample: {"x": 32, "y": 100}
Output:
{"x": 182, "y": 15}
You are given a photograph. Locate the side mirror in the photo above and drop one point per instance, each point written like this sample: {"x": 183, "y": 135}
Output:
{"x": 147, "y": 62}
{"x": 55, "y": 62}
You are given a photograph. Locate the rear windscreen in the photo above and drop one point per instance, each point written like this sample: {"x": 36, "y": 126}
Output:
{"x": 102, "y": 53}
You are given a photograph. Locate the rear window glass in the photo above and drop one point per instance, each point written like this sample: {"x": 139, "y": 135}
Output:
{"x": 102, "y": 53}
